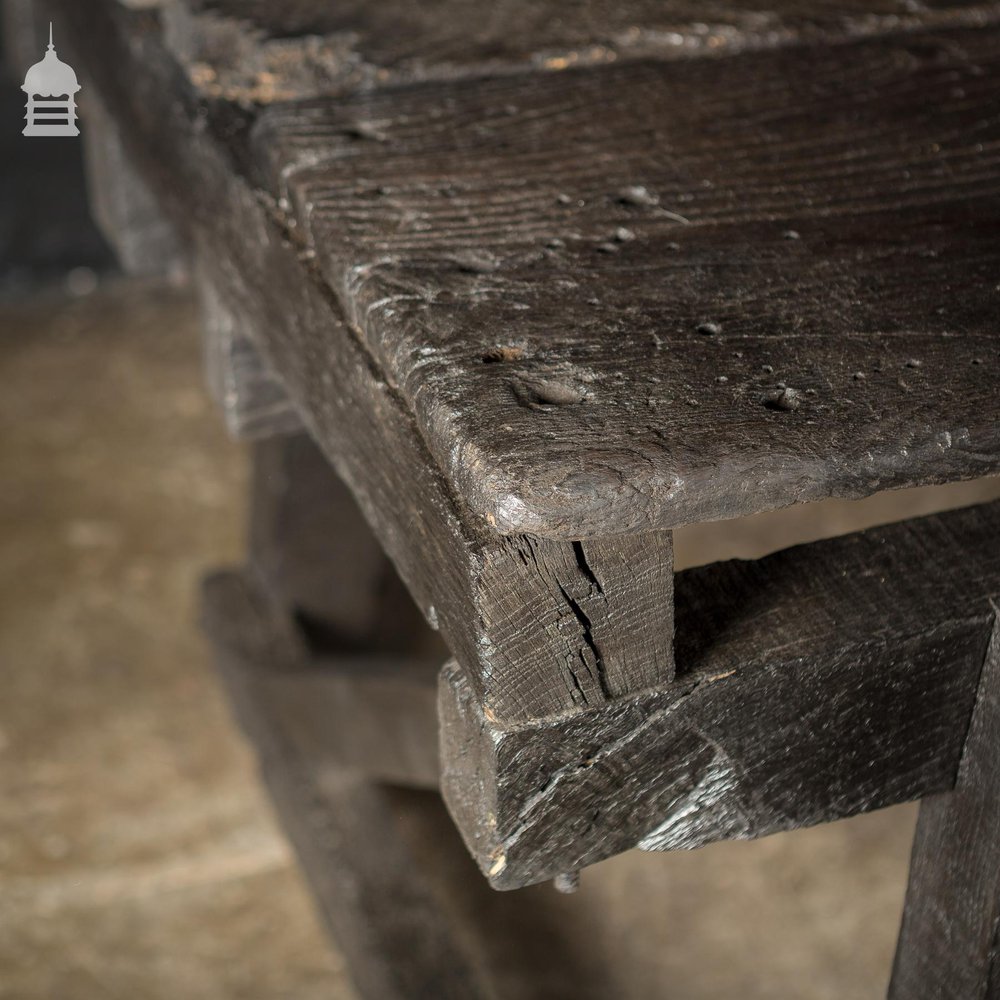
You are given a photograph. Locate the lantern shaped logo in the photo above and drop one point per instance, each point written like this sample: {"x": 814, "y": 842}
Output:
{"x": 51, "y": 87}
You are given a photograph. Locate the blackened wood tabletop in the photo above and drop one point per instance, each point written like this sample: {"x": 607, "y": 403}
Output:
{"x": 654, "y": 293}
{"x": 620, "y": 293}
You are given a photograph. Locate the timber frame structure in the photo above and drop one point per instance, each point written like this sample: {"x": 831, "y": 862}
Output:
{"x": 498, "y": 314}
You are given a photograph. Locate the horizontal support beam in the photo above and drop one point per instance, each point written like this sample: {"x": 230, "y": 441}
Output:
{"x": 369, "y": 713}
{"x": 314, "y": 555}
{"x": 252, "y": 399}
{"x": 820, "y": 682}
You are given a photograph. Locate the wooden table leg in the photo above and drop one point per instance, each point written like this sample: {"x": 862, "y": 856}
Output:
{"x": 948, "y": 945}
{"x": 334, "y": 700}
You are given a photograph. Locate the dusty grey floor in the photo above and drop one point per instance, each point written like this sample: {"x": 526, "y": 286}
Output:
{"x": 138, "y": 857}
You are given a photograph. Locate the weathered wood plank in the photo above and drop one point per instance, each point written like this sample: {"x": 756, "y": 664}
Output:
{"x": 391, "y": 877}
{"x": 401, "y": 40}
{"x": 318, "y": 561}
{"x": 601, "y": 611}
{"x": 948, "y": 945}
{"x": 820, "y": 682}
{"x": 641, "y": 295}
{"x": 473, "y": 582}
{"x": 638, "y": 383}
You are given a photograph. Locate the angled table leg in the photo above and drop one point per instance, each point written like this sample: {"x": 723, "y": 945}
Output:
{"x": 389, "y": 873}
{"x": 334, "y": 700}
{"x": 948, "y": 945}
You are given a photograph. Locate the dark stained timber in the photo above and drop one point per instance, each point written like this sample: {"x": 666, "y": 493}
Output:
{"x": 398, "y": 890}
{"x": 365, "y": 44}
{"x": 823, "y": 681}
{"x": 543, "y": 288}
{"x": 362, "y": 710}
{"x": 627, "y": 296}
{"x": 317, "y": 561}
{"x": 470, "y": 581}
{"x": 253, "y": 401}
{"x": 949, "y": 945}
{"x": 640, "y": 295}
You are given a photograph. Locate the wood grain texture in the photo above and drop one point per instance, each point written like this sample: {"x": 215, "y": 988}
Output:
{"x": 817, "y": 683}
{"x": 401, "y": 896}
{"x": 469, "y": 580}
{"x": 949, "y": 948}
{"x": 601, "y": 611}
{"x": 635, "y": 296}
{"x": 839, "y": 204}
{"x": 413, "y": 40}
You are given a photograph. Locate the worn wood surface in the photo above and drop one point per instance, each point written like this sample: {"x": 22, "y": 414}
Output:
{"x": 592, "y": 305}
{"x": 471, "y": 581}
{"x": 662, "y": 292}
{"x": 822, "y": 681}
{"x": 806, "y": 307}
{"x": 365, "y": 44}
{"x": 949, "y": 948}
{"x": 397, "y": 888}
{"x": 318, "y": 561}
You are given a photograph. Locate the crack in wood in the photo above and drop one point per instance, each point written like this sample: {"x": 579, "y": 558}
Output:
{"x": 589, "y": 643}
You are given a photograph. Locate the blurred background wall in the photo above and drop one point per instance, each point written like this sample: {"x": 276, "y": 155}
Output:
{"x": 45, "y": 227}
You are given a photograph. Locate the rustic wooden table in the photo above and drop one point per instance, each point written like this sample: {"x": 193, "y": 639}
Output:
{"x": 542, "y": 284}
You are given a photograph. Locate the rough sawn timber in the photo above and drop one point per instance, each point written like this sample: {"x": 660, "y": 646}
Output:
{"x": 314, "y": 45}
{"x": 823, "y": 681}
{"x": 949, "y": 946}
{"x": 644, "y": 294}
{"x": 361, "y": 709}
{"x": 253, "y": 402}
{"x": 472, "y": 582}
{"x": 638, "y": 293}
{"x": 401, "y": 896}
{"x": 317, "y": 561}
{"x": 885, "y": 389}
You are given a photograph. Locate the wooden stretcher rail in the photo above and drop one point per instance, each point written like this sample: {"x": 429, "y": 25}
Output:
{"x": 823, "y": 681}
{"x": 372, "y": 713}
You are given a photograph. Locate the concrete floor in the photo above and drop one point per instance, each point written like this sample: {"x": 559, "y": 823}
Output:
{"x": 138, "y": 857}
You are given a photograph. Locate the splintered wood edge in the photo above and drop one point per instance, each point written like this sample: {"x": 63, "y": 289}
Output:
{"x": 385, "y": 864}
{"x": 461, "y": 573}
